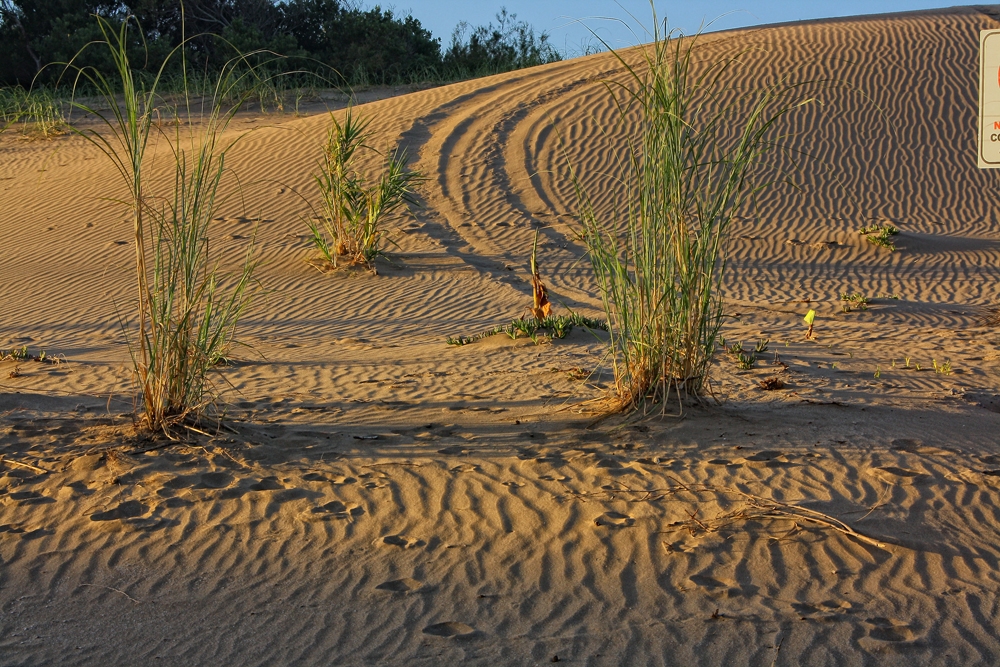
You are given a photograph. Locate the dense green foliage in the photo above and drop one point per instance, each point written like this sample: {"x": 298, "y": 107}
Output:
{"x": 341, "y": 42}
{"x": 491, "y": 49}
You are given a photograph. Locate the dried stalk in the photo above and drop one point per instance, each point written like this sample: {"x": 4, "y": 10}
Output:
{"x": 13, "y": 462}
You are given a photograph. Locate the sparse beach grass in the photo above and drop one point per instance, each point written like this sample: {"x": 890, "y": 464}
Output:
{"x": 687, "y": 170}
{"x": 187, "y": 310}
{"x": 35, "y": 112}
{"x": 355, "y": 205}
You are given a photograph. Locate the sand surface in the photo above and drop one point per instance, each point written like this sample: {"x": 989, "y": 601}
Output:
{"x": 381, "y": 497}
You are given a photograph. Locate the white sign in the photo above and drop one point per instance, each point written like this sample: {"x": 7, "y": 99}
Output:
{"x": 989, "y": 99}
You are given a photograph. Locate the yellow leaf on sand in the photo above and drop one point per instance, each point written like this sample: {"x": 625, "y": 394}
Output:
{"x": 810, "y": 316}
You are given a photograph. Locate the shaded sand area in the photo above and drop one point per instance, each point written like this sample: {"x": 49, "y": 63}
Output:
{"x": 380, "y": 497}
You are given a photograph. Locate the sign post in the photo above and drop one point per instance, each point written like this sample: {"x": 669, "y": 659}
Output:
{"x": 989, "y": 99}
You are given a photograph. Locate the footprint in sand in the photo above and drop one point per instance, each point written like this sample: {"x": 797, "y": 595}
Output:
{"x": 450, "y": 629}
{"x": 338, "y": 510}
{"x": 825, "y": 611}
{"x": 454, "y": 450}
{"x": 315, "y": 477}
{"x": 178, "y": 483}
{"x": 340, "y": 480}
{"x": 403, "y": 541}
{"x": 406, "y": 585}
{"x": 215, "y": 480}
{"x": 721, "y": 587}
{"x": 609, "y": 464}
{"x": 126, "y": 510}
{"x": 615, "y": 486}
{"x": 614, "y": 520}
{"x": 554, "y": 478}
{"x": 374, "y": 480}
{"x": 464, "y": 467}
{"x": 897, "y": 475}
{"x": 885, "y": 630}
{"x": 513, "y": 485}
{"x": 22, "y": 532}
{"x": 30, "y": 498}
{"x": 267, "y": 484}
{"x": 656, "y": 461}
{"x": 766, "y": 459}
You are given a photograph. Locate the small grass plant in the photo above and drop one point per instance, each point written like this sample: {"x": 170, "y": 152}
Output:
{"x": 855, "y": 301}
{"x": 355, "y": 205}
{"x": 556, "y": 326}
{"x": 686, "y": 170}
{"x": 858, "y": 301}
{"x": 22, "y": 353}
{"x": 942, "y": 368}
{"x": 880, "y": 235}
{"x": 747, "y": 360}
{"x": 187, "y": 309}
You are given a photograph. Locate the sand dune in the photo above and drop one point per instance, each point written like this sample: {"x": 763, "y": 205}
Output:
{"x": 381, "y": 497}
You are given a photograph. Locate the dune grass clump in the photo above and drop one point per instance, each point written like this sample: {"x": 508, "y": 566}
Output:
{"x": 351, "y": 224}
{"x": 187, "y": 309}
{"x": 686, "y": 171}
{"x": 37, "y": 112}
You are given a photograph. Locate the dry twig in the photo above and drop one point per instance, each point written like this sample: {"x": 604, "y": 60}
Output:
{"x": 20, "y": 464}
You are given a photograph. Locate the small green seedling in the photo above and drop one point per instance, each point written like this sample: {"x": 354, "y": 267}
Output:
{"x": 736, "y": 348}
{"x": 880, "y": 235}
{"x": 746, "y": 361}
{"x": 907, "y": 360}
{"x": 853, "y": 301}
{"x": 761, "y": 346}
{"x": 559, "y": 326}
{"x": 942, "y": 369}
{"x": 878, "y": 372}
{"x": 22, "y": 354}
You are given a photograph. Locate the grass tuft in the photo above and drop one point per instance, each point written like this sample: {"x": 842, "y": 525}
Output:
{"x": 187, "y": 310}
{"x": 36, "y": 112}
{"x": 687, "y": 170}
{"x": 355, "y": 205}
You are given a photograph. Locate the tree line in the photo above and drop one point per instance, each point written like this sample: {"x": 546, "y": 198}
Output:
{"x": 335, "y": 39}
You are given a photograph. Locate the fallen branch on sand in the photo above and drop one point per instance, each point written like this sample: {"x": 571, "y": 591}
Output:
{"x": 114, "y": 590}
{"x": 21, "y": 464}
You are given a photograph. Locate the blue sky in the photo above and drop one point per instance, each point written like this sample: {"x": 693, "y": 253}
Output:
{"x": 562, "y": 18}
